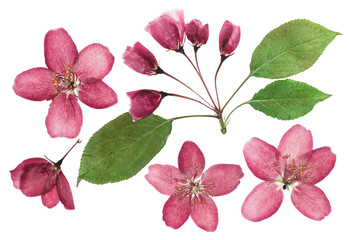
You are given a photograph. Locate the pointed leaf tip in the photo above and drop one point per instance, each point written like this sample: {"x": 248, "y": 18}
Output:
{"x": 287, "y": 99}
{"x": 290, "y": 49}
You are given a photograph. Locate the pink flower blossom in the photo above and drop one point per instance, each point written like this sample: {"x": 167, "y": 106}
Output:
{"x": 229, "y": 38}
{"x": 40, "y": 177}
{"x": 196, "y": 33}
{"x": 141, "y": 60}
{"x": 293, "y": 164}
{"x": 144, "y": 102}
{"x": 168, "y": 29}
{"x": 190, "y": 195}
{"x": 71, "y": 75}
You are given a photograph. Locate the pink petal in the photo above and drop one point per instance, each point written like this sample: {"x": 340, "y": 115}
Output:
{"x": 196, "y": 33}
{"x": 140, "y": 59}
{"x": 64, "y": 118}
{"x": 319, "y": 165}
{"x": 191, "y": 30}
{"x": 262, "y": 159}
{"x": 264, "y": 200}
{"x": 311, "y": 201}
{"x": 221, "y": 179}
{"x": 191, "y": 161}
{"x": 165, "y": 31}
{"x": 144, "y": 102}
{"x": 35, "y": 84}
{"x": 88, "y": 81}
{"x": 60, "y": 50}
{"x": 204, "y": 33}
{"x": 178, "y": 15}
{"x": 98, "y": 95}
{"x": 297, "y": 144}
{"x": 37, "y": 179}
{"x": 175, "y": 212}
{"x": 16, "y": 173}
{"x": 205, "y": 215}
{"x": 229, "y": 38}
{"x": 64, "y": 192}
{"x": 95, "y": 61}
{"x": 50, "y": 199}
{"x": 162, "y": 178}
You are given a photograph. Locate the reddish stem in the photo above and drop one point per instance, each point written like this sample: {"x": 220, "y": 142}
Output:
{"x": 188, "y": 88}
{"x": 192, "y": 99}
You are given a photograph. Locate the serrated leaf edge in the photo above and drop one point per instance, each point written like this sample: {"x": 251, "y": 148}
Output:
{"x": 263, "y": 89}
{"x": 80, "y": 177}
{"x": 306, "y": 20}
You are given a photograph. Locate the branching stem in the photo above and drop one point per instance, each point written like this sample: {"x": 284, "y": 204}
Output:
{"x": 201, "y": 78}
{"x": 188, "y": 88}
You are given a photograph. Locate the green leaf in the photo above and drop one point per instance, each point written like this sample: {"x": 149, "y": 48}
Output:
{"x": 121, "y": 148}
{"x": 290, "y": 49}
{"x": 287, "y": 99}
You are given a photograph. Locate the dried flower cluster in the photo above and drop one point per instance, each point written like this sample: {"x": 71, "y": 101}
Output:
{"x": 71, "y": 76}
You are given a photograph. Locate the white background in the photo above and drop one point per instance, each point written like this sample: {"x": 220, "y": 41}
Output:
{"x": 133, "y": 208}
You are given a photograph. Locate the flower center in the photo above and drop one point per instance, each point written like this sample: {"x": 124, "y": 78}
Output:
{"x": 295, "y": 172}
{"x": 192, "y": 189}
{"x": 66, "y": 81}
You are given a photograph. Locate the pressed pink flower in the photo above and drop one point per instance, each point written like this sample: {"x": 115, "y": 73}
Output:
{"x": 190, "y": 195}
{"x": 141, "y": 60}
{"x": 293, "y": 164}
{"x": 41, "y": 177}
{"x": 168, "y": 29}
{"x": 196, "y": 33}
{"x": 144, "y": 102}
{"x": 71, "y": 75}
{"x": 229, "y": 38}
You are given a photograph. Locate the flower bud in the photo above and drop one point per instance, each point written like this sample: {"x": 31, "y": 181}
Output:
{"x": 140, "y": 59}
{"x": 168, "y": 29}
{"x": 196, "y": 33}
{"x": 144, "y": 102}
{"x": 229, "y": 38}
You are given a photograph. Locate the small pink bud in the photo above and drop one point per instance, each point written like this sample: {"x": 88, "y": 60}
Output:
{"x": 196, "y": 33}
{"x": 41, "y": 177}
{"x": 140, "y": 59}
{"x": 144, "y": 102}
{"x": 229, "y": 38}
{"x": 168, "y": 29}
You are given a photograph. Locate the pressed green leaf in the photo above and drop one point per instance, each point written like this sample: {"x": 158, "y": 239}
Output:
{"x": 290, "y": 49}
{"x": 287, "y": 99}
{"x": 121, "y": 148}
